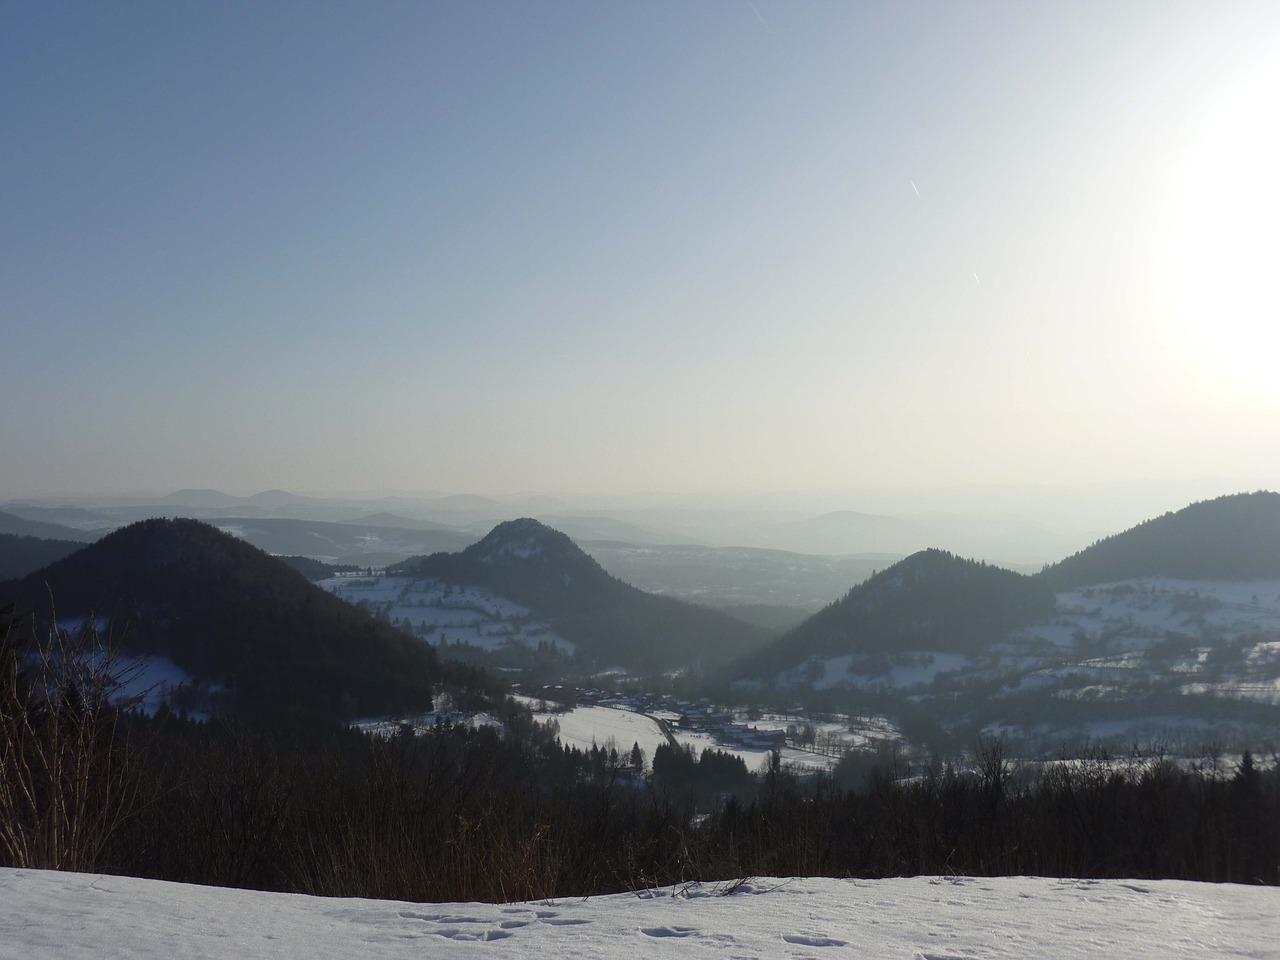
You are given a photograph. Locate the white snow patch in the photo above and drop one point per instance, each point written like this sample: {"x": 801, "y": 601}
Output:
{"x": 68, "y": 916}
{"x": 438, "y": 611}
{"x": 520, "y": 549}
{"x": 605, "y": 727}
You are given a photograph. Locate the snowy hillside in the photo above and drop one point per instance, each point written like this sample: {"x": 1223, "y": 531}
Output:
{"x": 440, "y": 612}
{"x": 610, "y": 623}
{"x": 1168, "y": 650}
{"x": 65, "y": 916}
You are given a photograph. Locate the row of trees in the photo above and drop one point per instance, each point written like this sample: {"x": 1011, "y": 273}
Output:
{"x": 461, "y": 814}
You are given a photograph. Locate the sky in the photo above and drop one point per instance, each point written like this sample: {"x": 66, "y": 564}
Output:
{"x": 572, "y": 246}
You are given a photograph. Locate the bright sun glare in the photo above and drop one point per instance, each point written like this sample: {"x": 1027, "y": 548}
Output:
{"x": 1226, "y": 254}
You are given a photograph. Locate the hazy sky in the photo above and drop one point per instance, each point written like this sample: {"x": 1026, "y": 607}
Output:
{"x": 716, "y": 245}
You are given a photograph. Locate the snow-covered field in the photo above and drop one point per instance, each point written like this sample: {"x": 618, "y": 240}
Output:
{"x": 441, "y": 612}
{"x": 605, "y": 727}
{"x": 586, "y": 726}
{"x": 66, "y": 916}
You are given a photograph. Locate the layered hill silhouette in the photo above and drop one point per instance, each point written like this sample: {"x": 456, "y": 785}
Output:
{"x": 21, "y": 555}
{"x": 931, "y": 601}
{"x": 1235, "y": 537}
{"x": 362, "y": 543}
{"x": 610, "y": 622}
{"x": 18, "y": 526}
{"x": 935, "y": 601}
{"x": 225, "y": 611}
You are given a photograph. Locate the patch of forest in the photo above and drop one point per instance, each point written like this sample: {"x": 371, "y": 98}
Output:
{"x": 1235, "y": 537}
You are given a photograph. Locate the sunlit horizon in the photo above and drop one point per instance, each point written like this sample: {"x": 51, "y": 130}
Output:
{"x": 497, "y": 248}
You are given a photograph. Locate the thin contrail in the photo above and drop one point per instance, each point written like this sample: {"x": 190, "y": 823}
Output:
{"x": 757, "y": 13}
{"x": 976, "y": 280}
{"x": 915, "y": 188}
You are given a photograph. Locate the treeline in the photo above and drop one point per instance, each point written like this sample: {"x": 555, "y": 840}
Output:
{"x": 314, "y": 569}
{"x": 1235, "y": 537}
{"x": 461, "y": 814}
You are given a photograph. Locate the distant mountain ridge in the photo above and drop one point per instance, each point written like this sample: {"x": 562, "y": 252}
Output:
{"x": 18, "y": 526}
{"x": 361, "y": 543}
{"x": 610, "y": 622}
{"x": 1236, "y": 537}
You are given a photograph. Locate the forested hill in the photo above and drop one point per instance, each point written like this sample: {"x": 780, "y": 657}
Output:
{"x": 19, "y": 555}
{"x": 224, "y": 610}
{"x": 931, "y": 601}
{"x": 1235, "y": 537}
{"x": 609, "y": 621}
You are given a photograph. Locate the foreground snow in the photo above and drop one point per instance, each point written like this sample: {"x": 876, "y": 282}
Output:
{"x": 56, "y": 915}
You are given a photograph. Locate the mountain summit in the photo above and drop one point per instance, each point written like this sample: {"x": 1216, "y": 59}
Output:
{"x": 931, "y": 601}
{"x": 530, "y": 544}
{"x": 226, "y": 612}
{"x": 609, "y": 621}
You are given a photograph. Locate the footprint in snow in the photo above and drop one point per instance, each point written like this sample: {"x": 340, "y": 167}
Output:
{"x": 800, "y": 940}
{"x": 668, "y": 931}
{"x": 439, "y": 917}
{"x": 455, "y": 934}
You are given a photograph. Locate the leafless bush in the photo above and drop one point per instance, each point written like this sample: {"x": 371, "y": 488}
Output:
{"x": 68, "y": 778}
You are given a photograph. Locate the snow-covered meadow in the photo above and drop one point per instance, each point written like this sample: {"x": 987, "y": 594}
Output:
{"x": 604, "y": 727}
{"x": 67, "y": 916}
{"x": 440, "y": 612}
{"x": 617, "y": 727}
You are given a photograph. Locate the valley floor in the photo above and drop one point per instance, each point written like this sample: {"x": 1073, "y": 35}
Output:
{"x": 69, "y": 916}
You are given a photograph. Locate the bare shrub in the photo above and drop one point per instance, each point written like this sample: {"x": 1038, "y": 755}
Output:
{"x": 68, "y": 777}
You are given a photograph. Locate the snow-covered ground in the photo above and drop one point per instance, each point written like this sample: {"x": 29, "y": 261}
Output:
{"x": 67, "y": 916}
{"x": 753, "y": 757}
{"x": 143, "y": 683}
{"x": 1151, "y": 640}
{"x": 152, "y": 681}
{"x": 605, "y": 727}
{"x": 586, "y": 726}
{"x": 1217, "y": 637}
{"x": 440, "y": 612}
